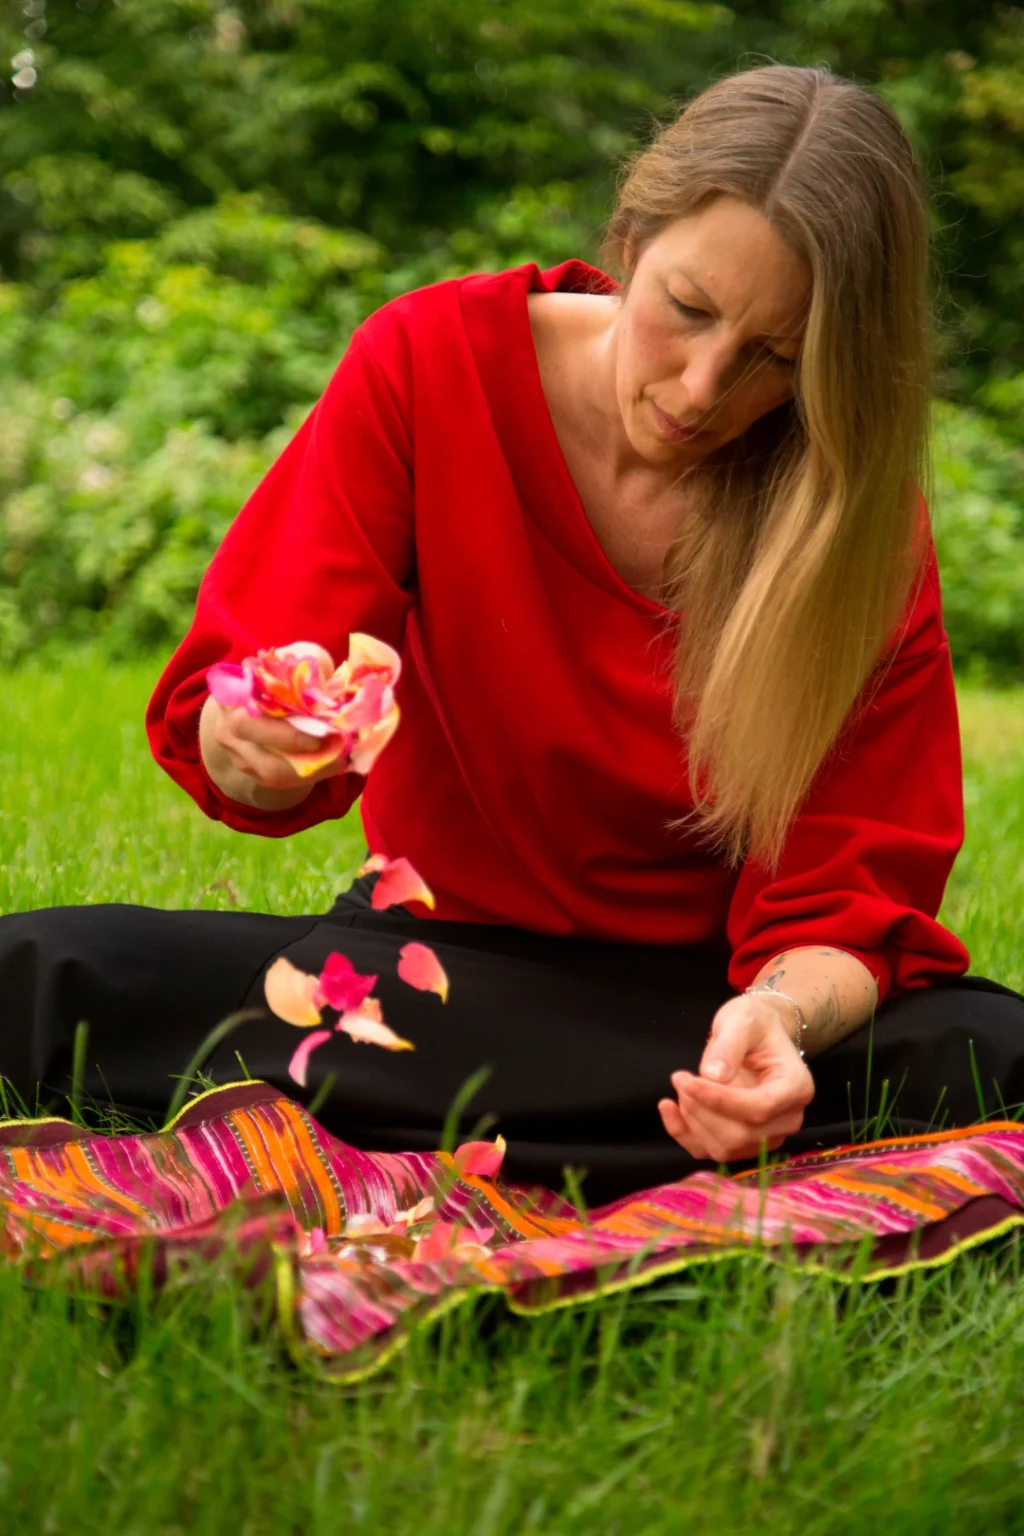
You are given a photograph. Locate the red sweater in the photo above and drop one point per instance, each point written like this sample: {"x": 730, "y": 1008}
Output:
{"x": 536, "y": 771}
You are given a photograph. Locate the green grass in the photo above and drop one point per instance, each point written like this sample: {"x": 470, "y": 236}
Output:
{"x": 745, "y": 1399}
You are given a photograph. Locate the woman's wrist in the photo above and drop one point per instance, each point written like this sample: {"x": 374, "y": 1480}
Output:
{"x": 794, "y": 1020}
{"x": 832, "y": 990}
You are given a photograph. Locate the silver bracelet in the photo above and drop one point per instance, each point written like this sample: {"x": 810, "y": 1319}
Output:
{"x": 801, "y": 1021}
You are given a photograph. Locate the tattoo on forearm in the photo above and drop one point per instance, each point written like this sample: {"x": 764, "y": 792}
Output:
{"x": 828, "y": 1017}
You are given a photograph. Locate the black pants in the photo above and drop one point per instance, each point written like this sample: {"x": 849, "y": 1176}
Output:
{"x": 580, "y": 1036}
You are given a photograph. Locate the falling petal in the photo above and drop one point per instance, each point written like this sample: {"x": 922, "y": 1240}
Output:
{"x": 398, "y": 882}
{"x": 300, "y": 1060}
{"x": 366, "y": 1026}
{"x": 419, "y": 967}
{"x": 232, "y": 686}
{"x": 341, "y": 986}
{"x": 482, "y": 1158}
{"x": 291, "y": 994}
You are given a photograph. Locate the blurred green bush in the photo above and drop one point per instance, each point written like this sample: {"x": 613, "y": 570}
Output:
{"x": 199, "y": 201}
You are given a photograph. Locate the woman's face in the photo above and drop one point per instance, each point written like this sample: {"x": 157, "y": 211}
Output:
{"x": 709, "y": 332}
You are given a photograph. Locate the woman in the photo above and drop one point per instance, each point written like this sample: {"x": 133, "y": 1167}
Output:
{"x": 679, "y": 753}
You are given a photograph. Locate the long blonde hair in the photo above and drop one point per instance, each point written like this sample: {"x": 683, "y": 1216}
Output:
{"x": 800, "y": 551}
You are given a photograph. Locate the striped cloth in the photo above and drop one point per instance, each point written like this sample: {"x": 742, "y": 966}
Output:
{"x": 245, "y": 1176}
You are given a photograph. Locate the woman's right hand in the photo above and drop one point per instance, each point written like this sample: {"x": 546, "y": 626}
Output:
{"x": 240, "y": 753}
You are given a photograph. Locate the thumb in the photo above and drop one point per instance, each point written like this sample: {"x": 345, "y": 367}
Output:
{"x": 727, "y": 1046}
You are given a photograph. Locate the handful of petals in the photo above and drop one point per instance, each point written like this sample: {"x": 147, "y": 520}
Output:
{"x": 350, "y": 708}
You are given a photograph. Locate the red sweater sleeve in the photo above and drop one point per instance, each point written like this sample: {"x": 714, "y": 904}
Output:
{"x": 322, "y": 548}
{"x": 866, "y": 861}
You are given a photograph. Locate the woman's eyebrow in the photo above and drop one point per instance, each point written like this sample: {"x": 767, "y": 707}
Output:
{"x": 775, "y": 336}
{"x": 703, "y": 293}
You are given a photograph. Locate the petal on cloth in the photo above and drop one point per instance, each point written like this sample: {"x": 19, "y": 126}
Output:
{"x": 481, "y": 1158}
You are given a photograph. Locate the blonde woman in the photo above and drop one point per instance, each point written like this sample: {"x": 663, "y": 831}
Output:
{"x": 679, "y": 753}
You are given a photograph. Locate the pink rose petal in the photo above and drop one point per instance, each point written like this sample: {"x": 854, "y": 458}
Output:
{"x": 368, "y": 654}
{"x": 371, "y": 742}
{"x": 311, "y": 725}
{"x": 300, "y": 1060}
{"x": 447, "y": 1241}
{"x": 366, "y": 1026}
{"x": 341, "y": 986}
{"x": 480, "y": 1158}
{"x": 374, "y": 699}
{"x": 291, "y": 994}
{"x": 398, "y": 882}
{"x": 233, "y": 686}
{"x": 419, "y": 967}
{"x": 435, "y": 1244}
{"x": 308, "y": 651}
{"x": 312, "y": 1243}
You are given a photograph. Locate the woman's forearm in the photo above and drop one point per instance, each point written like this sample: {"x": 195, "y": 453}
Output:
{"x": 836, "y": 992}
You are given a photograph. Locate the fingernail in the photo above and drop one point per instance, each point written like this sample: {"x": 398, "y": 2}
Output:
{"x": 716, "y": 1070}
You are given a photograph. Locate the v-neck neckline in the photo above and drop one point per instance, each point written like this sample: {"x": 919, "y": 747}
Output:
{"x": 501, "y": 337}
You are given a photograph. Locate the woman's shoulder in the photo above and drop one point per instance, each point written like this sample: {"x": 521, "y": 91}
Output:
{"x": 431, "y": 313}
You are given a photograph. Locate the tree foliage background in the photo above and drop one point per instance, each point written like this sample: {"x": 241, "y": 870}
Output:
{"x": 198, "y": 201}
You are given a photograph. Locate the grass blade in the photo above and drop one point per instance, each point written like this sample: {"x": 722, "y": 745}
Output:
{"x": 78, "y": 1050}
{"x": 203, "y": 1053}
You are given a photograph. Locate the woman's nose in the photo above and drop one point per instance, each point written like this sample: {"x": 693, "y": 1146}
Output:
{"x": 705, "y": 377}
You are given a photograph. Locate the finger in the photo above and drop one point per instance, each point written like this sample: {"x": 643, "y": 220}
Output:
{"x": 273, "y": 735}
{"x": 776, "y": 1095}
{"x": 734, "y": 1029}
{"x": 692, "y": 1104}
{"x": 266, "y": 768}
{"x": 679, "y": 1129}
{"x": 728, "y": 1140}
{"x": 713, "y": 1135}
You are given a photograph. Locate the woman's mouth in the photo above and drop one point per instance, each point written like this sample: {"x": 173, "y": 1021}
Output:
{"x": 671, "y": 431}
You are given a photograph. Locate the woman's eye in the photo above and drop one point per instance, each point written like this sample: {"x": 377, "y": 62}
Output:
{"x": 686, "y": 309}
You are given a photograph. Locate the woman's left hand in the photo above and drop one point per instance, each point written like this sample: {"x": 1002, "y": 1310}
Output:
{"x": 752, "y": 1089}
